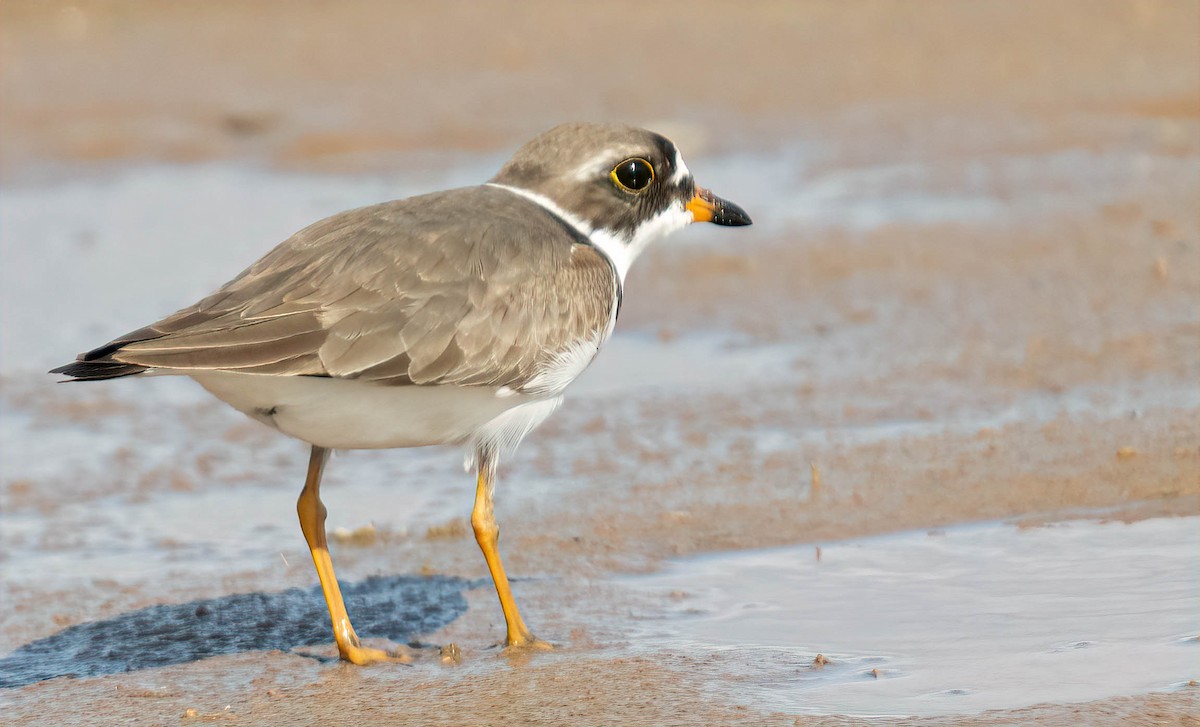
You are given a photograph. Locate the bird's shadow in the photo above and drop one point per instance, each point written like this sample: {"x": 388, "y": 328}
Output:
{"x": 392, "y": 607}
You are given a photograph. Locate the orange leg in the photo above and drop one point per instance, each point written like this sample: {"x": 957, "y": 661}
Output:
{"x": 487, "y": 533}
{"x": 312, "y": 522}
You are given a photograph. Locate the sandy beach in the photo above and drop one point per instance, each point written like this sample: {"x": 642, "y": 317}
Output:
{"x": 965, "y": 327}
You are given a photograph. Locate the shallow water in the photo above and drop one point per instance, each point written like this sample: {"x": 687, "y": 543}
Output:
{"x": 968, "y": 619}
{"x": 97, "y": 256}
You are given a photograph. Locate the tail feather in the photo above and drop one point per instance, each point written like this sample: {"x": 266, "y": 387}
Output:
{"x": 98, "y": 370}
{"x": 97, "y": 364}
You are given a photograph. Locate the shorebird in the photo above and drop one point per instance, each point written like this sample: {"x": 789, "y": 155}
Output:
{"x": 457, "y": 317}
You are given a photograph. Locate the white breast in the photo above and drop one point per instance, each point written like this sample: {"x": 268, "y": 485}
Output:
{"x": 349, "y": 414}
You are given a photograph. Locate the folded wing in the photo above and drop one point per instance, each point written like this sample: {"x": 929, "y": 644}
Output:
{"x": 470, "y": 287}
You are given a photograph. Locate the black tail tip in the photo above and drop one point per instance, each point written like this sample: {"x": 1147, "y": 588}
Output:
{"x": 97, "y": 370}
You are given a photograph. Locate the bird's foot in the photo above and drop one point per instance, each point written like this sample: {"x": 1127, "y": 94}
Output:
{"x": 525, "y": 644}
{"x": 365, "y": 655}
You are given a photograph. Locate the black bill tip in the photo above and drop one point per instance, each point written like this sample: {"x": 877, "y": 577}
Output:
{"x": 730, "y": 215}
{"x": 708, "y": 207}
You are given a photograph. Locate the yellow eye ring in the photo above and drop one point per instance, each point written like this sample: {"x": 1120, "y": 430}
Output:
{"x": 633, "y": 175}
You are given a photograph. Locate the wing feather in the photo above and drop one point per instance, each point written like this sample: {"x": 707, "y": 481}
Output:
{"x": 407, "y": 292}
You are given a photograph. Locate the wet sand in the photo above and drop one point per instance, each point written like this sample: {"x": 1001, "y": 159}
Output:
{"x": 971, "y": 294}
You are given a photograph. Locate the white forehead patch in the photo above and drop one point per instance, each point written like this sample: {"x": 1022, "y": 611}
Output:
{"x": 681, "y": 170}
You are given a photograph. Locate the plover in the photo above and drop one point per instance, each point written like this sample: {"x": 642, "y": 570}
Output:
{"x": 457, "y": 317}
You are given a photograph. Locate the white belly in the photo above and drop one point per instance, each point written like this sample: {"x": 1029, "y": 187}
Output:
{"x": 348, "y": 414}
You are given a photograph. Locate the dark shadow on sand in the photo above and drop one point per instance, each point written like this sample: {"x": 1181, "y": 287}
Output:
{"x": 392, "y": 607}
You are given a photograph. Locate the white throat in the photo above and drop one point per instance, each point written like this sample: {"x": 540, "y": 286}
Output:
{"x": 621, "y": 250}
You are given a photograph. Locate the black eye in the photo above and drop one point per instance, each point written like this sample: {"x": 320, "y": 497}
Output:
{"x": 633, "y": 175}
